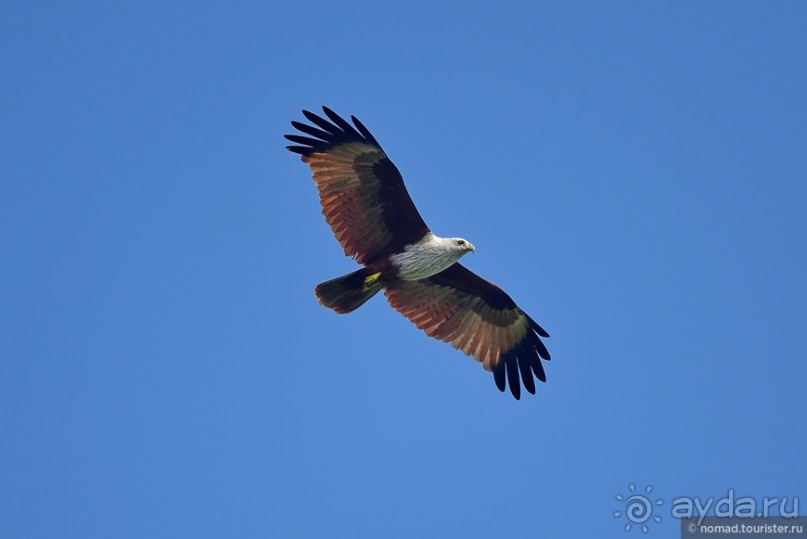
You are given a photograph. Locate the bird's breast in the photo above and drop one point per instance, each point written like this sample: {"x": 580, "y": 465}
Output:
{"x": 416, "y": 262}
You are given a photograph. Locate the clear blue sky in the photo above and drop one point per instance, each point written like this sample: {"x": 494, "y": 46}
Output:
{"x": 634, "y": 174}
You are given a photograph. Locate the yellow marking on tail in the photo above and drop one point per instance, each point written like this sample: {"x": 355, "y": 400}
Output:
{"x": 370, "y": 279}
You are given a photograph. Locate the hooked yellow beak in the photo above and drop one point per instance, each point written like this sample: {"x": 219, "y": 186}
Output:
{"x": 471, "y": 246}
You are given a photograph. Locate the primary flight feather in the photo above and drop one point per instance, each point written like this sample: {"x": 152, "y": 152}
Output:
{"x": 366, "y": 203}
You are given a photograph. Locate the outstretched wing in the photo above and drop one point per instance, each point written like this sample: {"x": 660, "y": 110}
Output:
{"x": 363, "y": 195}
{"x": 479, "y": 318}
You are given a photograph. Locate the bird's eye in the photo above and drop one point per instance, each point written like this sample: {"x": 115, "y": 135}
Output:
{"x": 460, "y": 242}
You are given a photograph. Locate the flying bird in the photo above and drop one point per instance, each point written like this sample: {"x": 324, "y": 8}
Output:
{"x": 367, "y": 206}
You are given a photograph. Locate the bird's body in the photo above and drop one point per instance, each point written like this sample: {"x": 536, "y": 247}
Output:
{"x": 429, "y": 256}
{"x": 369, "y": 209}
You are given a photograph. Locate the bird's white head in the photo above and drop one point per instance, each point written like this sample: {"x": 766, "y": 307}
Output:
{"x": 464, "y": 246}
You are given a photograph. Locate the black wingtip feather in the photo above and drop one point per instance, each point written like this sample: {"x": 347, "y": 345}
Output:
{"x": 312, "y": 131}
{"x": 308, "y": 141}
{"x": 364, "y": 131}
{"x": 340, "y": 122}
{"x": 538, "y": 329}
{"x": 327, "y": 134}
{"x": 520, "y": 365}
{"x": 526, "y": 374}
{"x": 538, "y": 369}
{"x": 299, "y": 149}
{"x": 511, "y": 366}
{"x": 321, "y": 122}
{"x": 540, "y": 347}
{"x": 498, "y": 375}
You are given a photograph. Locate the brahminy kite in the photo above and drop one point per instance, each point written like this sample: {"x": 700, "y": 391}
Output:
{"x": 365, "y": 202}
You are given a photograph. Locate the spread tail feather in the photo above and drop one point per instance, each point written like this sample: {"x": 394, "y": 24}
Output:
{"x": 349, "y": 292}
